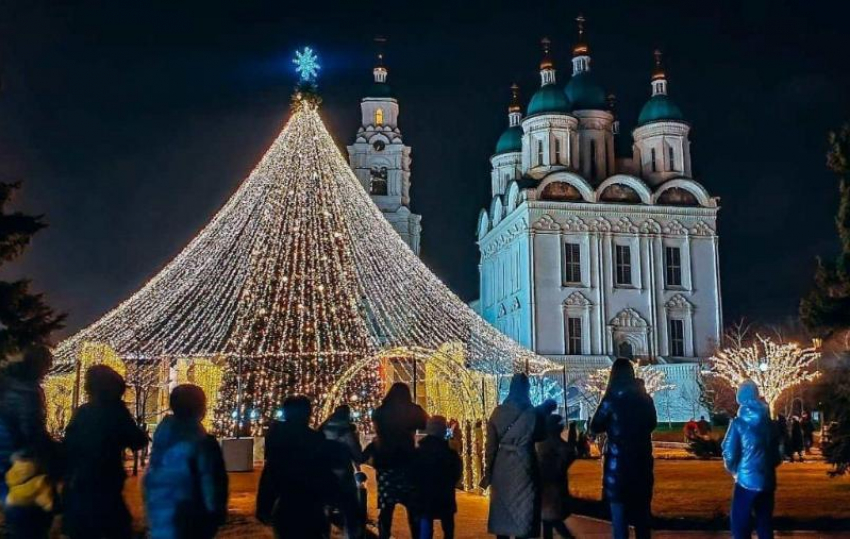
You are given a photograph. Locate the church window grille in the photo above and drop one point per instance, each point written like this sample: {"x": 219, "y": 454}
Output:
{"x": 652, "y": 160}
{"x": 574, "y": 344}
{"x": 572, "y": 263}
{"x": 379, "y": 117}
{"x": 676, "y": 330}
{"x": 673, "y": 266}
{"x": 623, "y": 261}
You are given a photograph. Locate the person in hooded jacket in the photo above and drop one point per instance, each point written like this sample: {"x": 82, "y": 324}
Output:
{"x": 297, "y": 480}
{"x": 554, "y": 458}
{"x": 23, "y": 434}
{"x": 345, "y": 455}
{"x": 511, "y": 470}
{"x": 797, "y": 443}
{"x": 627, "y": 415}
{"x": 437, "y": 469}
{"x": 95, "y": 440}
{"x": 751, "y": 453}
{"x": 185, "y": 486}
{"x": 396, "y": 421}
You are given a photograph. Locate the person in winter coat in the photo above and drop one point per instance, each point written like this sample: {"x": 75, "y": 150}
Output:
{"x": 511, "y": 464}
{"x": 797, "y": 444}
{"x": 437, "y": 469}
{"x": 95, "y": 440}
{"x": 808, "y": 428}
{"x": 185, "y": 486}
{"x": 751, "y": 453}
{"x": 297, "y": 480}
{"x": 24, "y": 440}
{"x": 627, "y": 415}
{"x": 396, "y": 421}
{"x": 554, "y": 458}
{"x": 784, "y": 438}
{"x": 345, "y": 456}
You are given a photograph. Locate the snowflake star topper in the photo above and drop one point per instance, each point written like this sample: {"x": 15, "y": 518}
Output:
{"x": 306, "y": 64}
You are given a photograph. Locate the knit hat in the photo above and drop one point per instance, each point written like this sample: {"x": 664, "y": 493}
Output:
{"x": 748, "y": 391}
{"x": 436, "y": 426}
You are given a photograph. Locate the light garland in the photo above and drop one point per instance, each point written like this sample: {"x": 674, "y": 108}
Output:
{"x": 774, "y": 367}
{"x": 594, "y": 387}
{"x": 297, "y": 278}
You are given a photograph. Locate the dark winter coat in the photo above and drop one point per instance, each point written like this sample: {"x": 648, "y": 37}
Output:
{"x": 344, "y": 454}
{"x": 185, "y": 485}
{"x": 395, "y": 433}
{"x": 23, "y": 428}
{"x": 796, "y": 436}
{"x": 627, "y": 415}
{"x": 511, "y": 470}
{"x": 751, "y": 448}
{"x": 554, "y": 458}
{"x": 297, "y": 481}
{"x": 95, "y": 440}
{"x": 436, "y": 471}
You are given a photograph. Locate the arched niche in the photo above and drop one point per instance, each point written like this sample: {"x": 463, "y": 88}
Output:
{"x": 561, "y": 192}
{"x": 624, "y": 189}
{"x": 483, "y": 224}
{"x": 683, "y": 192}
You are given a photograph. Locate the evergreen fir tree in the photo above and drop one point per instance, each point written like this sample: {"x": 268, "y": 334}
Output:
{"x": 25, "y": 318}
{"x": 826, "y": 309}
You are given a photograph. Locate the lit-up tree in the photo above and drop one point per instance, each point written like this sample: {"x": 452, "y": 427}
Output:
{"x": 594, "y": 386}
{"x": 774, "y": 367}
{"x": 297, "y": 280}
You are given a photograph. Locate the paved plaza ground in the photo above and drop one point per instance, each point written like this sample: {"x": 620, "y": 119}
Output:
{"x": 689, "y": 495}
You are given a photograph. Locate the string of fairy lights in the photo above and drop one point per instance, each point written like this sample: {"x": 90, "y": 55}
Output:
{"x": 295, "y": 279}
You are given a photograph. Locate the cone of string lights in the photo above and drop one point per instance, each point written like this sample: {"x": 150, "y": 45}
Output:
{"x": 297, "y": 285}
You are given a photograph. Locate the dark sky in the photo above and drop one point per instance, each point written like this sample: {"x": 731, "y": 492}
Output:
{"x": 132, "y": 122}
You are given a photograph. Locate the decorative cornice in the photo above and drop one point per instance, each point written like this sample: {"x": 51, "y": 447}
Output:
{"x": 600, "y": 224}
{"x": 675, "y": 228}
{"x": 575, "y": 224}
{"x": 702, "y": 229}
{"x": 576, "y": 299}
{"x": 679, "y": 303}
{"x": 650, "y": 226}
{"x": 628, "y": 317}
{"x": 625, "y": 225}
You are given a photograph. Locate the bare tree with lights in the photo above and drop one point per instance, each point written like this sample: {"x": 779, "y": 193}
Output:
{"x": 773, "y": 366}
{"x": 594, "y": 387}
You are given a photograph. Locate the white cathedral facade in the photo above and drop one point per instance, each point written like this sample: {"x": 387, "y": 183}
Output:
{"x": 588, "y": 253}
{"x": 381, "y": 161}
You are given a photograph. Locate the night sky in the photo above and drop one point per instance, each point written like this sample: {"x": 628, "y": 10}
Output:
{"x": 130, "y": 123}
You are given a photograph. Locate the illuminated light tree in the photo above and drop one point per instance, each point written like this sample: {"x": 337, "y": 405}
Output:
{"x": 774, "y": 367}
{"x": 594, "y": 386}
{"x": 297, "y": 279}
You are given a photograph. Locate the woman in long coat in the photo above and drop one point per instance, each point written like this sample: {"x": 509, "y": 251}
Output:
{"x": 396, "y": 421}
{"x": 627, "y": 415}
{"x": 511, "y": 469}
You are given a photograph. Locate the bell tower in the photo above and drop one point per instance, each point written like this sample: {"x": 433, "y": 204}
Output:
{"x": 379, "y": 158}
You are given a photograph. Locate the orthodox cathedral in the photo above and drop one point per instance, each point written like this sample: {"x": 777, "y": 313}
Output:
{"x": 589, "y": 253}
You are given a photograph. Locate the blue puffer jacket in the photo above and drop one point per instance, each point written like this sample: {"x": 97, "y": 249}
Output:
{"x": 751, "y": 449}
{"x": 186, "y": 483}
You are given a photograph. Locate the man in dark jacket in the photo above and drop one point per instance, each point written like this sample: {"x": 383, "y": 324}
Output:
{"x": 627, "y": 415}
{"x": 345, "y": 455}
{"x": 297, "y": 480}
{"x": 23, "y": 432}
{"x": 95, "y": 440}
{"x": 436, "y": 470}
{"x": 808, "y": 428}
{"x": 751, "y": 453}
{"x": 185, "y": 486}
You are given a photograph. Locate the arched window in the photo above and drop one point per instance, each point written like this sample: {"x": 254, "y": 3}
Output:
{"x": 593, "y": 160}
{"x": 539, "y": 153}
{"x": 672, "y": 156}
{"x": 379, "y": 117}
{"x": 559, "y": 159}
{"x": 652, "y": 160}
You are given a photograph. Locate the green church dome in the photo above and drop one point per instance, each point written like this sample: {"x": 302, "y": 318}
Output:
{"x": 548, "y": 98}
{"x": 510, "y": 141}
{"x": 658, "y": 108}
{"x": 585, "y": 93}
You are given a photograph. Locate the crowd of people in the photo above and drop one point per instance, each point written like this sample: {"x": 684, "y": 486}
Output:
{"x": 312, "y": 476}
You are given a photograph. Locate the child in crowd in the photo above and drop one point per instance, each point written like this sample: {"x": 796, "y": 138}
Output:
{"x": 437, "y": 469}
